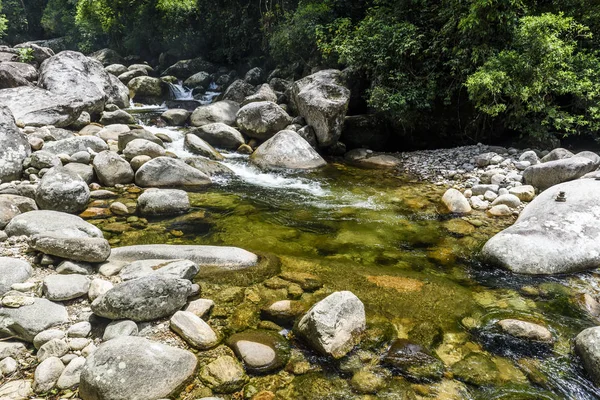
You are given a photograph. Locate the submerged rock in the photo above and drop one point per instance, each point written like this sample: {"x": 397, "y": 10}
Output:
{"x": 333, "y": 326}
{"x": 551, "y": 237}
{"x": 261, "y": 351}
{"x": 224, "y": 375}
{"x": 135, "y": 368}
{"x": 526, "y": 330}
{"x": 143, "y": 299}
{"x": 287, "y": 150}
{"x": 476, "y": 369}
{"x": 414, "y": 361}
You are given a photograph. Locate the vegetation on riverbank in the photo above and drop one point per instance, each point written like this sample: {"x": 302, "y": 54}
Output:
{"x": 459, "y": 71}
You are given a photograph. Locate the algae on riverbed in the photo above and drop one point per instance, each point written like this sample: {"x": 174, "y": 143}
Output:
{"x": 386, "y": 240}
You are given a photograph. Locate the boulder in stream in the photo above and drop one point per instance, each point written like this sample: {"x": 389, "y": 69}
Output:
{"x": 287, "y": 150}
{"x": 552, "y": 237}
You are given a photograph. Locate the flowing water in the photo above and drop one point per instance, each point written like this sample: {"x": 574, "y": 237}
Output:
{"x": 385, "y": 238}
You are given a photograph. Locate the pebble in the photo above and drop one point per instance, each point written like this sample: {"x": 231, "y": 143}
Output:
{"x": 79, "y": 330}
{"x": 46, "y": 374}
{"x": 8, "y": 366}
{"x": 200, "y": 307}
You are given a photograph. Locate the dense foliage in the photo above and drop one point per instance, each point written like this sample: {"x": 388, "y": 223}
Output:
{"x": 454, "y": 69}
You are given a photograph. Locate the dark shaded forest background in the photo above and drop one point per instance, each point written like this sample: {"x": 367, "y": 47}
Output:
{"x": 445, "y": 71}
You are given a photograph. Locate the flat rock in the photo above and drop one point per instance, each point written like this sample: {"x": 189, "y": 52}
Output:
{"x": 224, "y": 375}
{"x": 144, "y": 299}
{"x": 73, "y": 248}
{"x": 228, "y": 258}
{"x": 65, "y": 287}
{"x": 134, "y": 368}
{"x": 163, "y": 202}
{"x": 181, "y": 269}
{"x": 551, "y": 237}
{"x": 48, "y": 222}
{"x": 20, "y": 389}
{"x": 551, "y": 173}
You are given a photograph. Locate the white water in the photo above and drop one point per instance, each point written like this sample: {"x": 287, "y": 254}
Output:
{"x": 180, "y": 92}
{"x": 141, "y": 108}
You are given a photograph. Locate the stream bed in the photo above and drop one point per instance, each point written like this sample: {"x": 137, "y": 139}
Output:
{"x": 386, "y": 238}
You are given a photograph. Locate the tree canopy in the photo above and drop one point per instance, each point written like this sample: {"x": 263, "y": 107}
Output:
{"x": 460, "y": 69}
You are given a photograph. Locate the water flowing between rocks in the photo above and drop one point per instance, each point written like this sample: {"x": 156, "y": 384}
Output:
{"x": 386, "y": 238}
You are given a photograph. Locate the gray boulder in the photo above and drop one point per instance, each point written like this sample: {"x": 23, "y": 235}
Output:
{"x": 262, "y": 120}
{"x": 255, "y": 76}
{"x": 15, "y": 74}
{"x": 51, "y": 222}
{"x": 264, "y": 93}
{"x": 88, "y": 249}
{"x": 112, "y": 132}
{"x": 144, "y": 299}
{"x": 84, "y": 171}
{"x": 220, "y": 135}
{"x": 65, "y": 287}
{"x": 183, "y": 69}
{"x": 134, "y": 368}
{"x": 143, "y": 147}
{"x": 238, "y": 91}
{"x": 146, "y": 89}
{"x": 75, "y": 145}
{"x": 176, "y": 117}
{"x": 198, "y": 146}
{"x": 35, "y": 106}
{"x": 128, "y": 136}
{"x": 155, "y": 202}
{"x": 557, "y": 154}
{"x": 117, "y": 117}
{"x": 323, "y": 101}
{"x": 111, "y": 169}
{"x": 81, "y": 80}
{"x": 333, "y": 326}
{"x": 128, "y": 75}
{"x": 26, "y": 322}
{"x": 62, "y": 190}
{"x": 116, "y": 69}
{"x": 551, "y": 173}
{"x": 12, "y": 205}
{"x": 210, "y": 167}
{"x": 587, "y": 345}
{"x": 201, "y": 79}
{"x": 287, "y": 150}
{"x": 551, "y": 237}
{"x": 221, "y": 111}
{"x": 15, "y": 147}
{"x": 13, "y": 270}
{"x": 170, "y": 172}
{"x": 230, "y": 258}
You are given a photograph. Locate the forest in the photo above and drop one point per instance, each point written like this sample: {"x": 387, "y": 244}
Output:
{"x": 449, "y": 71}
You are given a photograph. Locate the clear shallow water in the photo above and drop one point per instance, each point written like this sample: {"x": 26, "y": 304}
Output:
{"x": 386, "y": 239}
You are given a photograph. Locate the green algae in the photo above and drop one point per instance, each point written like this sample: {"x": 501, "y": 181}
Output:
{"x": 388, "y": 241}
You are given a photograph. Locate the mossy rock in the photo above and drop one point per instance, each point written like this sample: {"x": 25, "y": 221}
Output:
{"x": 414, "y": 361}
{"x": 476, "y": 369}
